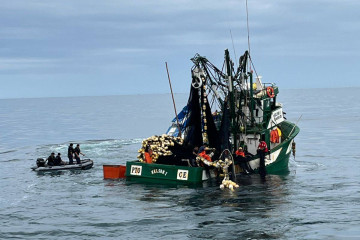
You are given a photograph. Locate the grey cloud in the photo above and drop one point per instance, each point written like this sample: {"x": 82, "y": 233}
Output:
{"x": 99, "y": 39}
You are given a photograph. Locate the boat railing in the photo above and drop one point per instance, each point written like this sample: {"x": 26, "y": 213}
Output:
{"x": 265, "y": 85}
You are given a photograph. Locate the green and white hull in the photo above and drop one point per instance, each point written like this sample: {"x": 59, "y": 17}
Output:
{"x": 137, "y": 170}
{"x": 277, "y": 161}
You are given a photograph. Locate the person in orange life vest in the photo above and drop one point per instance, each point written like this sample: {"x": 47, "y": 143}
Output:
{"x": 202, "y": 152}
{"x": 262, "y": 150}
{"x": 240, "y": 157}
{"x": 240, "y": 152}
{"x": 147, "y": 154}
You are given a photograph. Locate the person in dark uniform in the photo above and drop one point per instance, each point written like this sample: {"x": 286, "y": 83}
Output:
{"x": 58, "y": 160}
{"x": 71, "y": 153}
{"x": 77, "y": 152}
{"x": 51, "y": 159}
{"x": 262, "y": 150}
{"x": 193, "y": 157}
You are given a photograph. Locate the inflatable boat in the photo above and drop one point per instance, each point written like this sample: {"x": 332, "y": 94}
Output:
{"x": 41, "y": 166}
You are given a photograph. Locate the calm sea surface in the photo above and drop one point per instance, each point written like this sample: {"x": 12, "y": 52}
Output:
{"x": 318, "y": 199}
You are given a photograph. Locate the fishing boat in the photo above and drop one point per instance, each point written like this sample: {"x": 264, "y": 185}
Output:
{"x": 228, "y": 108}
{"x": 41, "y": 166}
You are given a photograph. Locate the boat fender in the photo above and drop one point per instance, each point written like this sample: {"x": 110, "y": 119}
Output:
{"x": 293, "y": 147}
{"x": 270, "y": 92}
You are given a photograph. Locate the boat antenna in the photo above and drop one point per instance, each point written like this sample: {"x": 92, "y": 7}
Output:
{"x": 233, "y": 45}
{"x": 247, "y": 24}
{"x": 172, "y": 95}
{"x": 248, "y": 32}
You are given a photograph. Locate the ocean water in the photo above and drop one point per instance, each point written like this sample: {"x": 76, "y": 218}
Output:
{"x": 318, "y": 199}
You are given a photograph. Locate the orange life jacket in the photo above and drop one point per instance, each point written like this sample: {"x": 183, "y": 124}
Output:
{"x": 148, "y": 158}
{"x": 240, "y": 153}
{"x": 274, "y": 136}
{"x": 204, "y": 155}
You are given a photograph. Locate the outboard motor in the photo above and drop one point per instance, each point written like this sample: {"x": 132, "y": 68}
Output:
{"x": 40, "y": 162}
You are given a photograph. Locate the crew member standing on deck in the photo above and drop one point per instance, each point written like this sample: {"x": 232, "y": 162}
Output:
{"x": 193, "y": 157}
{"x": 202, "y": 152}
{"x": 71, "y": 154}
{"x": 147, "y": 154}
{"x": 77, "y": 152}
{"x": 262, "y": 150}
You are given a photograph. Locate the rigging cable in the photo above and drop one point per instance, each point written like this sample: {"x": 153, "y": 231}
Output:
{"x": 233, "y": 47}
{"x": 248, "y": 31}
{"x": 247, "y": 24}
{"x": 253, "y": 66}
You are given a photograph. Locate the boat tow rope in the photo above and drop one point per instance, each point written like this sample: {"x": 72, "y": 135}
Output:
{"x": 294, "y": 127}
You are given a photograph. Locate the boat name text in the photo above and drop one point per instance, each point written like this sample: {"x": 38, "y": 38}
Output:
{"x": 182, "y": 174}
{"x": 136, "y": 170}
{"x": 277, "y": 115}
{"x": 159, "y": 170}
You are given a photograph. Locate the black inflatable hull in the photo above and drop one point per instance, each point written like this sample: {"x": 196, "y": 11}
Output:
{"x": 84, "y": 165}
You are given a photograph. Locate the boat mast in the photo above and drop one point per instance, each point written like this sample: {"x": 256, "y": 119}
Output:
{"x": 172, "y": 95}
{"x": 251, "y": 99}
{"x": 231, "y": 98}
{"x": 250, "y": 72}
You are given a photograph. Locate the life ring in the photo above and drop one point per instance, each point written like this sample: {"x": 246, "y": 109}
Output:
{"x": 270, "y": 92}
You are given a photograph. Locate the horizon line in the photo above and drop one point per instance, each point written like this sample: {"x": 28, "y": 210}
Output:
{"x": 137, "y": 94}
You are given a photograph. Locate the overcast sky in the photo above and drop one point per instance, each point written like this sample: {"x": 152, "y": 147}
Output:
{"x": 88, "y": 47}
